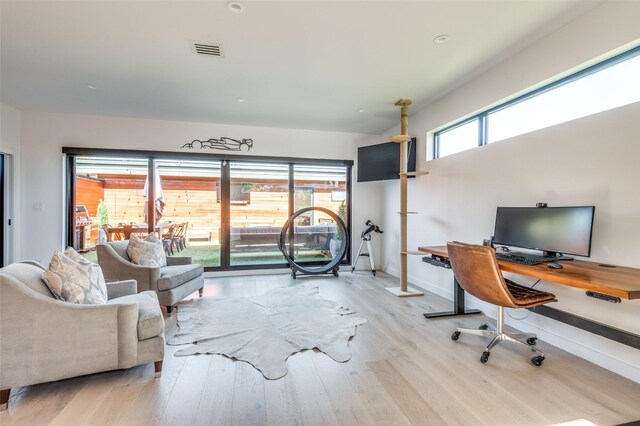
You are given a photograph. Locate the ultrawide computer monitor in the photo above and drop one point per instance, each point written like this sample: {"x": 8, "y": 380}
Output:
{"x": 553, "y": 230}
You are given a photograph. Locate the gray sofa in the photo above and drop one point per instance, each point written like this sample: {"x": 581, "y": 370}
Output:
{"x": 172, "y": 283}
{"x": 45, "y": 339}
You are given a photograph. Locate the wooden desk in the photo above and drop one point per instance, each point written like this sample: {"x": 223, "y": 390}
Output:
{"x": 616, "y": 281}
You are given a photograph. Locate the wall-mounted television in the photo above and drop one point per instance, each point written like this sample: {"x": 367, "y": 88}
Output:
{"x": 382, "y": 161}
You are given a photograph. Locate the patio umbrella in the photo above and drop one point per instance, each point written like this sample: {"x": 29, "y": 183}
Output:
{"x": 159, "y": 201}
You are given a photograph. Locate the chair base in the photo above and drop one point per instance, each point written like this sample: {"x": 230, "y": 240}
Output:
{"x": 527, "y": 340}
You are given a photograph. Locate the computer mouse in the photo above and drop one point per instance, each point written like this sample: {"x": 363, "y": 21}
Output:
{"x": 554, "y": 265}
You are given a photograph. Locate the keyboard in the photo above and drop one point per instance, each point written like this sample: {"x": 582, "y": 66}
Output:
{"x": 517, "y": 258}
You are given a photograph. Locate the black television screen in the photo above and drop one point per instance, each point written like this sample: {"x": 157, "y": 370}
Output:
{"x": 382, "y": 161}
{"x": 564, "y": 230}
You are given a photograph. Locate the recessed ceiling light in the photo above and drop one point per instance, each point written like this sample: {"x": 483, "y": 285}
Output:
{"x": 240, "y": 99}
{"x": 361, "y": 110}
{"x": 441, "y": 39}
{"x": 90, "y": 86}
{"x": 235, "y": 7}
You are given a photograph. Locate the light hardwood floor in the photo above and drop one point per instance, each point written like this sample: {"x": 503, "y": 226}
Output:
{"x": 404, "y": 370}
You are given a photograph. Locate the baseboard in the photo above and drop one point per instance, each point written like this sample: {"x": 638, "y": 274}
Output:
{"x": 546, "y": 329}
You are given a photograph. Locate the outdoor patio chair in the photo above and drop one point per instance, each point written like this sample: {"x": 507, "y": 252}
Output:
{"x": 113, "y": 235}
{"x": 135, "y": 230}
{"x": 180, "y": 236}
{"x": 167, "y": 239}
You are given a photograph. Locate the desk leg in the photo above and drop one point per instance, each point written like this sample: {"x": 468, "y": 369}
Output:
{"x": 458, "y": 305}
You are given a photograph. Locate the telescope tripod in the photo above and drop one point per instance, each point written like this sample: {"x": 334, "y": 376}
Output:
{"x": 369, "y": 254}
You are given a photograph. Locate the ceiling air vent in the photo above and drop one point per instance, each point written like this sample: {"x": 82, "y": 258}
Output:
{"x": 209, "y": 49}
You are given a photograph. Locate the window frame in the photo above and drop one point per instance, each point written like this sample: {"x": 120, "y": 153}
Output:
{"x": 483, "y": 117}
{"x": 481, "y": 130}
{"x": 70, "y": 154}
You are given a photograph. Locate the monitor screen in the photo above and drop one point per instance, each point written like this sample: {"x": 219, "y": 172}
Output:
{"x": 564, "y": 230}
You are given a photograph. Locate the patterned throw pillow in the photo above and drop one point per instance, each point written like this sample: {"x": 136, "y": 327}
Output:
{"x": 72, "y": 281}
{"x": 97, "y": 276}
{"x": 147, "y": 252}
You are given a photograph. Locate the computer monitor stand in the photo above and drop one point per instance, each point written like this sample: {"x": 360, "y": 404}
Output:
{"x": 555, "y": 255}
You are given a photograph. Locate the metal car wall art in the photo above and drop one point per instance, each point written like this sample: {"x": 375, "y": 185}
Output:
{"x": 224, "y": 144}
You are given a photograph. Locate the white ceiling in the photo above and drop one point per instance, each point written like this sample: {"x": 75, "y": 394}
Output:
{"x": 298, "y": 64}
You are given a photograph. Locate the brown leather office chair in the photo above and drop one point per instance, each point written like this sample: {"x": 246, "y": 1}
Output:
{"x": 476, "y": 269}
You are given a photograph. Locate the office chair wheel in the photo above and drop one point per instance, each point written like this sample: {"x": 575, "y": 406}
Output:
{"x": 485, "y": 357}
{"x": 455, "y": 336}
{"x": 537, "y": 360}
{"x": 483, "y": 327}
{"x": 531, "y": 341}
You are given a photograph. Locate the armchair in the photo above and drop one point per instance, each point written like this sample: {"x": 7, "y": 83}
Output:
{"x": 172, "y": 283}
{"x": 45, "y": 339}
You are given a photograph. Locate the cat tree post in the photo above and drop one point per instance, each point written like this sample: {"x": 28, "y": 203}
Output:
{"x": 403, "y": 139}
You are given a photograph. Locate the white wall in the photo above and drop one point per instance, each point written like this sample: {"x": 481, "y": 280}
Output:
{"x": 369, "y": 204}
{"x": 44, "y": 135}
{"x": 591, "y": 161}
{"x": 10, "y": 141}
{"x": 9, "y": 128}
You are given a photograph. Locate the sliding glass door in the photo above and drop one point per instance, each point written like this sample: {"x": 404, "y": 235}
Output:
{"x": 188, "y": 203}
{"x": 225, "y": 213}
{"x": 259, "y": 206}
{"x": 317, "y": 236}
{"x": 109, "y": 201}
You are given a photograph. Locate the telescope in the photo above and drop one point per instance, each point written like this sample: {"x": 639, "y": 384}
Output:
{"x": 369, "y": 228}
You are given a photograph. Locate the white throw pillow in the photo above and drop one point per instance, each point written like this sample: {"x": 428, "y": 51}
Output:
{"x": 147, "y": 252}
{"x": 72, "y": 281}
{"x": 97, "y": 276}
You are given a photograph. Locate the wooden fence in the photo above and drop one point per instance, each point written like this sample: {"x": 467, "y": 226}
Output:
{"x": 193, "y": 200}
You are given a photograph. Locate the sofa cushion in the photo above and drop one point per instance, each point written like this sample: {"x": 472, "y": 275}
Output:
{"x": 73, "y": 282}
{"x": 29, "y": 274}
{"x": 96, "y": 277}
{"x": 150, "y": 320}
{"x": 147, "y": 252}
{"x": 174, "y": 276}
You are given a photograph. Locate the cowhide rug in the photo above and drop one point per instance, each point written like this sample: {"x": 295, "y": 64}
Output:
{"x": 266, "y": 330}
